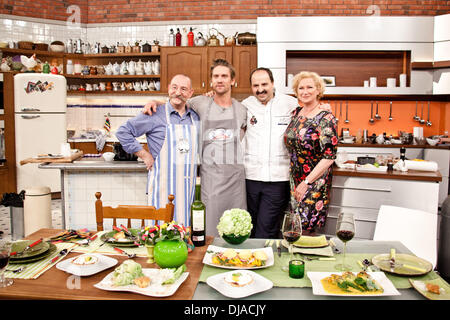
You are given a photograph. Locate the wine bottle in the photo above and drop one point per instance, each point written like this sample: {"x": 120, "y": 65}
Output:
{"x": 198, "y": 217}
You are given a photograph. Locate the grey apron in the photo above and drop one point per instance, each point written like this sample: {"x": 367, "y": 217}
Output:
{"x": 222, "y": 169}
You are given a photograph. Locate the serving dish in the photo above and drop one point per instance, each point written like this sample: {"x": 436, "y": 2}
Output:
{"x": 444, "y": 292}
{"x": 155, "y": 289}
{"x": 219, "y": 283}
{"x": 128, "y": 241}
{"x": 102, "y": 263}
{"x": 311, "y": 242}
{"x": 318, "y": 289}
{"x": 207, "y": 259}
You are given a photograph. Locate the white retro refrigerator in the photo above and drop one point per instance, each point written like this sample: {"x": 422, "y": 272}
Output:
{"x": 40, "y": 126}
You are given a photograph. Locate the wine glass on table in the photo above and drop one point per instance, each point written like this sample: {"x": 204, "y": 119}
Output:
{"x": 345, "y": 231}
{"x": 291, "y": 230}
{"x": 5, "y": 250}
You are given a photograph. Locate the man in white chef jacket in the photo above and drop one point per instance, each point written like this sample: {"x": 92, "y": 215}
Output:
{"x": 266, "y": 159}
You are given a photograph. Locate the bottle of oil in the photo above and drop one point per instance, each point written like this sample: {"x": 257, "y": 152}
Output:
{"x": 198, "y": 217}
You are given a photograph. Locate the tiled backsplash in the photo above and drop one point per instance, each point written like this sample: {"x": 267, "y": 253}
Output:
{"x": 89, "y": 113}
{"x": 15, "y": 28}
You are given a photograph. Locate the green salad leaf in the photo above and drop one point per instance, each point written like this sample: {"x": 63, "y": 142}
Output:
{"x": 126, "y": 273}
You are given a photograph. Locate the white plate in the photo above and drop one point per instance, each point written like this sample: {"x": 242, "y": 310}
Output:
{"x": 380, "y": 277}
{"x": 103, "y": 263}
{"x": 155, "y": 289}
{"x": 259, "y": 284}
{"x": 207, "y": 259}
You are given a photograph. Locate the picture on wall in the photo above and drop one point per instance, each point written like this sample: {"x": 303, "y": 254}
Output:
{"x": 330, "y": 81}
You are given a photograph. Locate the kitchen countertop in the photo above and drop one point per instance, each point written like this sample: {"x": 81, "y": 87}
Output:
{"x": 396, "y": 146}
{"x": 96, "y": 164}
{"x": 399, "y": 175}
{"x": 100, "y": 164}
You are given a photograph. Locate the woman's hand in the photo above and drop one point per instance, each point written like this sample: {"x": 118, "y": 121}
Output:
{"x": 300, "y": 191}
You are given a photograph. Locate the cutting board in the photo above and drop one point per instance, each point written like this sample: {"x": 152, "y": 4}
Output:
{"x": 72, "y": 157}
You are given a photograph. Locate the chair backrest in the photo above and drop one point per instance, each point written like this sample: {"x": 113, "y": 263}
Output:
{"x": 416, "y": 229}
{"x": 132, "y": 212}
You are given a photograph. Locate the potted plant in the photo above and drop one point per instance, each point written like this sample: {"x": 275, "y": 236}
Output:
{"x": 165, "y": 244}
{"x": 235, "y": 226}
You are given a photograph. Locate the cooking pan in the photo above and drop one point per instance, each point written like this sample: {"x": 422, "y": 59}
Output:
{"x": 246, "y": 38}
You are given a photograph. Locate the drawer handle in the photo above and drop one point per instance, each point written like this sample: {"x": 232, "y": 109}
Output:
{"x": 365, "y": 189}
{"x": 30, "y": 117}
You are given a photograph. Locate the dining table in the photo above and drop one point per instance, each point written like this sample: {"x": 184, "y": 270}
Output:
{"x": 368, "y": 247}
{"x": 55, "y": 284}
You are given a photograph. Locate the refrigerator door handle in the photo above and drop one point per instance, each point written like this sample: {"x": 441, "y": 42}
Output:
{"x": 30, "y": 117}
{"x": 30, "y": 109}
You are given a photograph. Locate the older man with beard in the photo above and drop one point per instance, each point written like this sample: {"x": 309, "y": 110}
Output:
{"x": 172, "y": 139}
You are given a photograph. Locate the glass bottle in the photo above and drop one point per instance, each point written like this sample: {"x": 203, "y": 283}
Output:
{"x": 191, "y": 38}
{"x": 178, "y": 38}
{"x": 171, "y": 38}
{"x": 198, "y": 217}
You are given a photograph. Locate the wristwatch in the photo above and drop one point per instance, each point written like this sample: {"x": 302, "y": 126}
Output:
{"x": 306, "y": 181}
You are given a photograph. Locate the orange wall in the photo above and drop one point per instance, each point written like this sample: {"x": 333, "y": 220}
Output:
{"x": 402, "y": 114}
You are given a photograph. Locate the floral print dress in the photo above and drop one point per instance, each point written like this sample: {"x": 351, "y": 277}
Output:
{"x": 308, "y": 141}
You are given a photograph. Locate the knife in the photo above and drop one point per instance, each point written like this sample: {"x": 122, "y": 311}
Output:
{"x": 61, "y": 254}
{"x": 28, "y": 247}
{"x": 278, "y": 248}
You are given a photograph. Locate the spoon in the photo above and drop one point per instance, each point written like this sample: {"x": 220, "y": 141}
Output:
{"x": 416, "y": 117}
{"x": 371, "y": 120}
{"x": 422, "y": 120}
{"x": 428, "y": 117}
{"x": 377, "y": 116}
{"x": 346, "y": 112}
{"x": 390, "y": 112}
{"x": 335, "y": 111}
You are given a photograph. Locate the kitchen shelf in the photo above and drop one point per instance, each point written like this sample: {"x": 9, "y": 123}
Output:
{"x": 111, "y": 92}
{"x": 104, "y": 76}
{"x": 81, "y": 55}
{"x": 123, "y": 55}
{"x": 31, "y": 52}
{"x": 424, "y": 65}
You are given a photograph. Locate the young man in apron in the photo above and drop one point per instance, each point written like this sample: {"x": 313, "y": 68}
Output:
{"x": 172, "y": 138}
{"x": 223, "y": 126}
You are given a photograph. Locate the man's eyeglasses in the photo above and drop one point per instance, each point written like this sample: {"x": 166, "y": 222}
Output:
{"x": 183, "y": 90}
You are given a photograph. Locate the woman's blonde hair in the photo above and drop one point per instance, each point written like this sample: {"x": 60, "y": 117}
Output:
{"x": 318, "y": 82}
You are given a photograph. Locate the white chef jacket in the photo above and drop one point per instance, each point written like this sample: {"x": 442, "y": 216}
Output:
{"x": 265, "y": 154}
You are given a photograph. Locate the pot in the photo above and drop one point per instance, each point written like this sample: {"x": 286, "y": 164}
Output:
{"x": 231, "y": 40}
{"x": 121, "y": 155}
{"x": 200, "y": 40}
{"x": 213, "y": 40}
{"x": 246, "y": 38}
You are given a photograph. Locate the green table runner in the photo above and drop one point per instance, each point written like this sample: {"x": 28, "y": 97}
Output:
{"x": 281, "y": 278}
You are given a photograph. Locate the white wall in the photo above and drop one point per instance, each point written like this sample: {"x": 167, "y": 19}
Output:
{"x": 277, "y": 34}
{"x": 441, "y": 77}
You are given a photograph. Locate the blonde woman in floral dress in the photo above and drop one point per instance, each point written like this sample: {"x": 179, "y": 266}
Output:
{"x": 311, "y": 141}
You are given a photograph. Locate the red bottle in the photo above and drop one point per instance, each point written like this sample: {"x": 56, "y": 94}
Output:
{"x": 190, "y": 38}
{"x": 178, "y": 38}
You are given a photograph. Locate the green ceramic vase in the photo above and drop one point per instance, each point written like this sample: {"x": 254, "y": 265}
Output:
{"x": 233, "y": 239}
{"x": 170, "y": 253}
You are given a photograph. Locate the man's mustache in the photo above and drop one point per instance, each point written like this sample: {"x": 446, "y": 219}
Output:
{"x": 178, "y": 96}
{"x": 261, "y": 92}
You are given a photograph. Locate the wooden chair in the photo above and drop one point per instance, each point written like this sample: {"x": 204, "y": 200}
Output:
{"x": 132, "y": 212}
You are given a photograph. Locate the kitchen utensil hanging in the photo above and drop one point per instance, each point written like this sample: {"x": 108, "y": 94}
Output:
{"x": 346, "y": 112}
{"x": 377, "y": 116}
{"x": 371, "y": 120}
{"x": 416, "y": 117}
{"x": 390, "y": 111}
{"x": 422, "y": 120}
{"x": 428, "y": 117}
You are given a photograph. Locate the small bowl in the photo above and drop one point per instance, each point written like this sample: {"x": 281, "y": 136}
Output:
{"x": 432, "y": 142}
{"x": 56, "y": 48}
{"x": 348, "y": 139}
{"x": 233, "y": 239}
{"x": 108, "y": 156}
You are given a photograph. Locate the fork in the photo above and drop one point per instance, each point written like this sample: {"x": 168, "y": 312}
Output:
{"x": 319, "y": 258}
{"x": 17, "y": 270}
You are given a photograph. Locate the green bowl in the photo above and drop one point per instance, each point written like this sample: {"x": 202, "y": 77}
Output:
{"x": 233, "y": 239}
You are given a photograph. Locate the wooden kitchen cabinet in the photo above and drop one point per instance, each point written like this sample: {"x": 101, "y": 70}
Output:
{"x": 8, "y": 163}
{"x": 191, "y": 61}
{"x": 244, "y": 61}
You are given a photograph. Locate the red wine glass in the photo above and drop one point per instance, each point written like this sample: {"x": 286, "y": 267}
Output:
{"x": 345, "y": 231}
{"x": 291, "y": 230}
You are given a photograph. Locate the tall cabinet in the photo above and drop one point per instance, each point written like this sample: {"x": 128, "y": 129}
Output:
{"x": 8, "y": 158}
